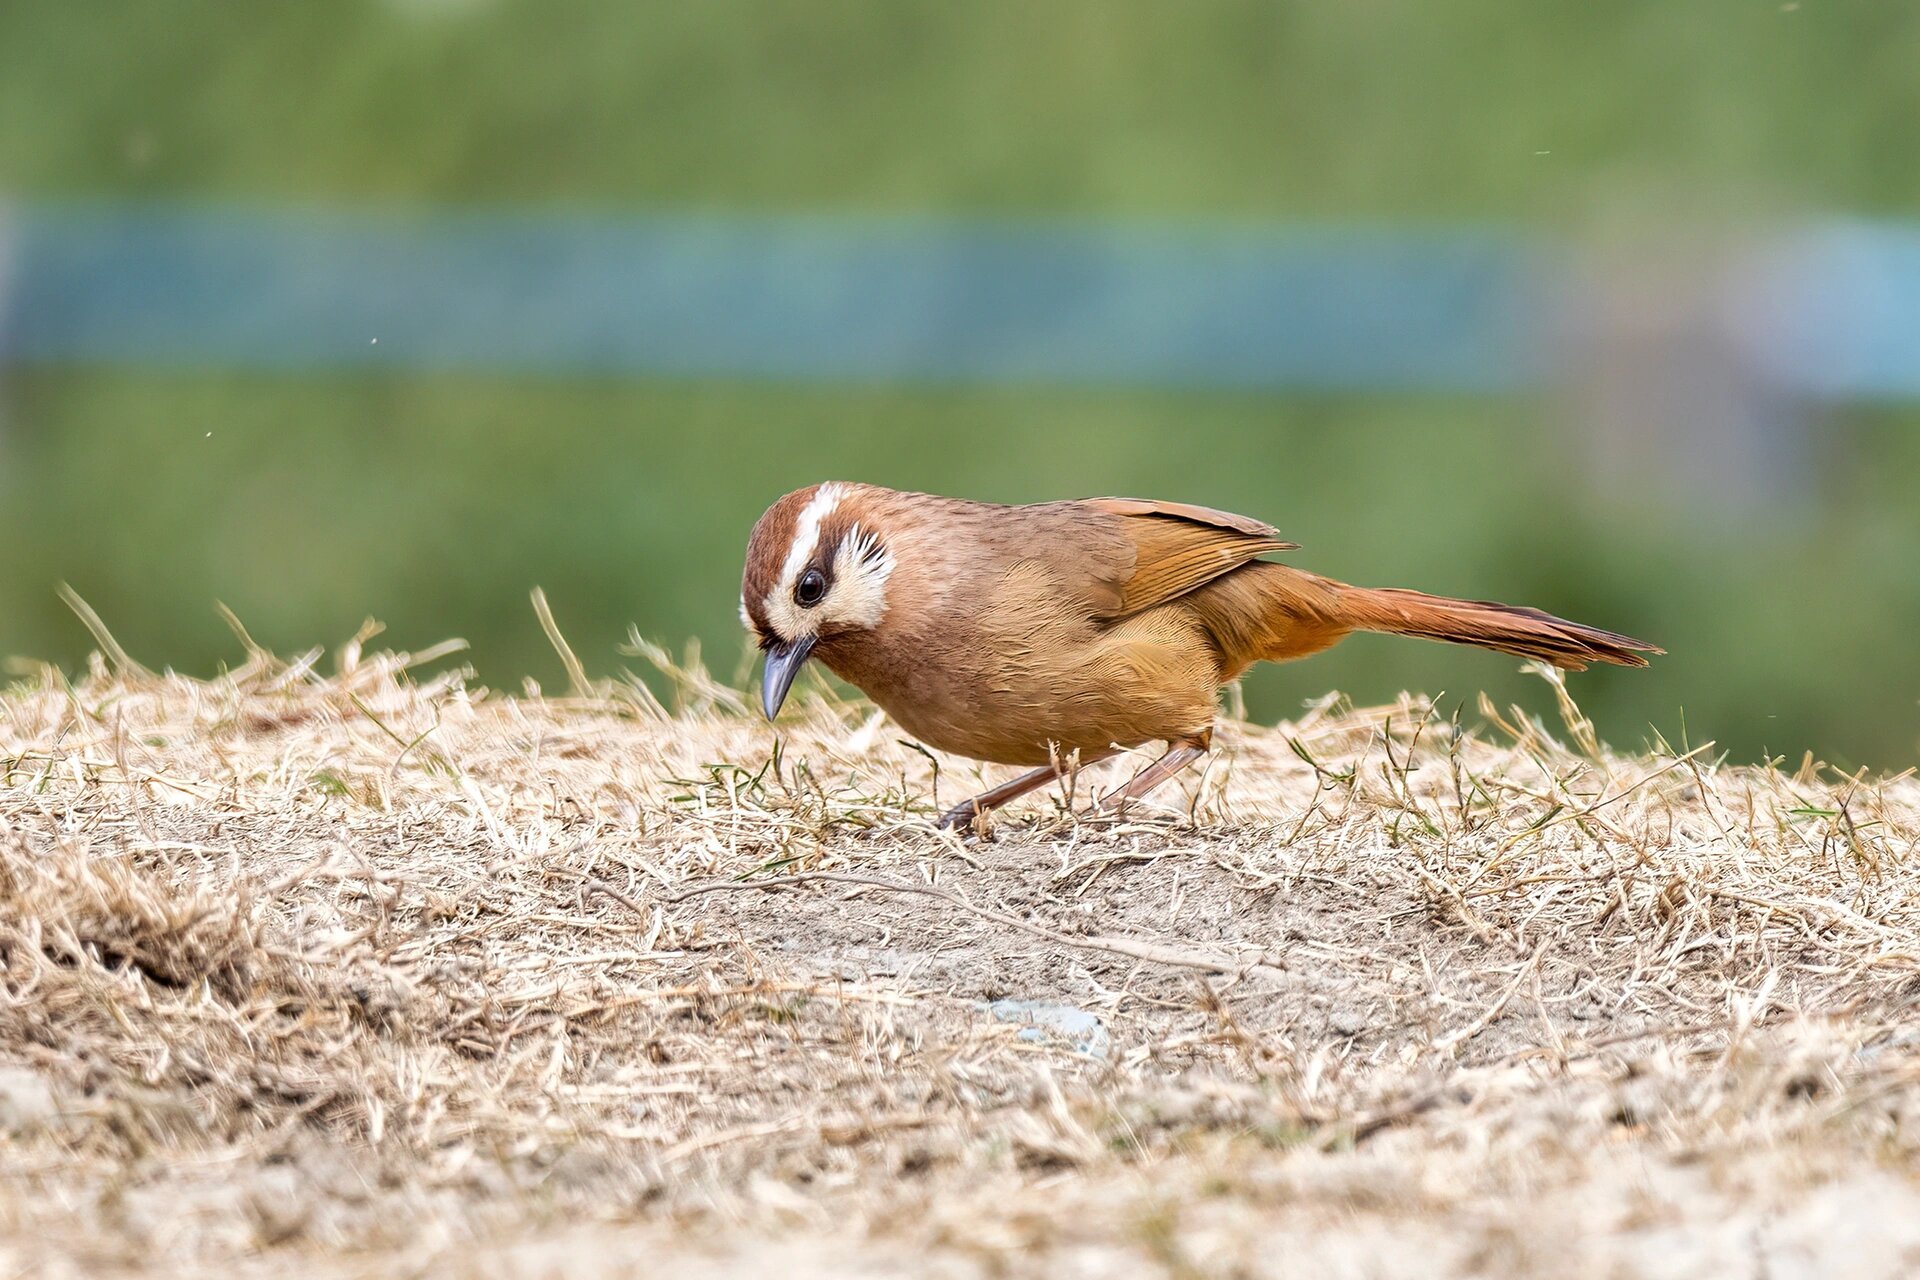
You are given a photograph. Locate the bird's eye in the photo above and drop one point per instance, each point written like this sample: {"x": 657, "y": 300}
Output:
{"x": 811, "y": 589}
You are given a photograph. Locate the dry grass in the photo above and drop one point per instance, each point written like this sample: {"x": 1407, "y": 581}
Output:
{"x": 357, "y": 973}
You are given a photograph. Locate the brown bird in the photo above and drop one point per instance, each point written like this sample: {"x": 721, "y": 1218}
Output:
{"x": 1039, "y": 634}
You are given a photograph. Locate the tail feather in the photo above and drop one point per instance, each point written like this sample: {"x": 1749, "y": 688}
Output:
{"x": 1505, "y": 628}
{"x": 1266, "y": 612}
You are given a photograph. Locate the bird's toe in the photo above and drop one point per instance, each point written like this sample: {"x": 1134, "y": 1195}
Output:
{"x": 959, "y": 818}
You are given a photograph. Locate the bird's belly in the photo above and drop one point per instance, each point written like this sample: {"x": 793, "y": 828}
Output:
{"x": 1085, "y": 690}
{"x": 991, "y": 726}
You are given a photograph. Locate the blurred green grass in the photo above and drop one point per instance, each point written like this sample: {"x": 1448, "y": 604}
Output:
{"x": 1469, "y": 108}
{"x": 435, "y": 502}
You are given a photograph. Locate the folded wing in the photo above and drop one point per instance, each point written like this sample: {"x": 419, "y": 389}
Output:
{"x": 1176, "y": 547}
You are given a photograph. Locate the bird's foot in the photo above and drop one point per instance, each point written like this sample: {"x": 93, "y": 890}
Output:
{"x": 1180, "y": 754}
{"x": 960, "y": 818}
{"x": 965, "y": 816}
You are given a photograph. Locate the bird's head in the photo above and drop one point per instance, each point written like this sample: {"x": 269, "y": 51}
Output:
{"x": 817, "y": 570}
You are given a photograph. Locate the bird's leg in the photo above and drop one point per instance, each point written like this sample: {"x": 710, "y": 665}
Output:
{"x": 1180, "y": 754}
{"x": 963, "y": 814}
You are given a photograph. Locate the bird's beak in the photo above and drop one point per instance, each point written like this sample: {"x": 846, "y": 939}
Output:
{"x": 784, "y": 661}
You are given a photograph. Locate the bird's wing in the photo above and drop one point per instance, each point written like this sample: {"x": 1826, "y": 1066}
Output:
{"x": 1176, "y": 548}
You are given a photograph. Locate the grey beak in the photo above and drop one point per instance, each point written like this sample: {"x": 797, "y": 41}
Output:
{"x": 784, "y": 661}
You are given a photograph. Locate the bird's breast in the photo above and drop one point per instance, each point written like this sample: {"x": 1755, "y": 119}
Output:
{"x": 1031, "y": 673}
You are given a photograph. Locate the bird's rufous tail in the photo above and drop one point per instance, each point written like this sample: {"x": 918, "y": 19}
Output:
{"x": 1506, "y": 628}
{"x": 1268, "y": 612}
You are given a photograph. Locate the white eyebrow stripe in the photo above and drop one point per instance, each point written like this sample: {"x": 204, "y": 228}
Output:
{"x": 806, "y": 535}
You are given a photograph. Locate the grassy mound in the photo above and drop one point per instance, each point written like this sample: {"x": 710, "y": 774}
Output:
{"x": 327, "y": 967}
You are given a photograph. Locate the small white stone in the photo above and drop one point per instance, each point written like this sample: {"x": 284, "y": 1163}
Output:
{"x": 27, "y": 1103}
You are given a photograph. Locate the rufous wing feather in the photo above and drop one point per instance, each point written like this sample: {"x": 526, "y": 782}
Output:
{"x": 1178, "y": 547}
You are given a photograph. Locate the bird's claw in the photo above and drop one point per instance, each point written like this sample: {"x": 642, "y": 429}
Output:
{"x": 960, "y": 818}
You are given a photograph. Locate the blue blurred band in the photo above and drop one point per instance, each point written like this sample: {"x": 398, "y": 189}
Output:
{"x": 884, "y": 300}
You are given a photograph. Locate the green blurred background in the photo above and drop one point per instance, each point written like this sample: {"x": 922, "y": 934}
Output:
{"x": 434, "y": 501}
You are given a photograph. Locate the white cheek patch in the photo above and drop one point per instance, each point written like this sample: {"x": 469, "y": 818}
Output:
{"x": 861, "y": 568}
{"x": 787, "y": 620}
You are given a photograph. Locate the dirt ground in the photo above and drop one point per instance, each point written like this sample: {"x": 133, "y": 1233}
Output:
{"x": 325, "y": 968}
